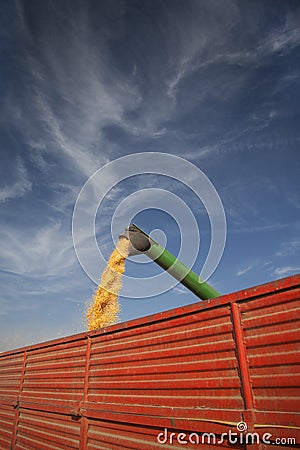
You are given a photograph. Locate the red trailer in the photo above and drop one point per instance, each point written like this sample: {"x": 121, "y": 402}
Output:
{"x": 214, "y": 374}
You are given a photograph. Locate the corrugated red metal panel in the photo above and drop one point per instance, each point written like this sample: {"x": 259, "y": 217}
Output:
{"x": 166, "y": 368}
{"x": 55, "y": 376}
{"x": 7, "y": 420}
{"x": 196, "y": 369}
{"x": 106, "y": 435}
{"x": 10, "y": 377}
{"x": 271, "y": 327}
{"x": 273, "y": 349}
{"x": 38, "y": 430}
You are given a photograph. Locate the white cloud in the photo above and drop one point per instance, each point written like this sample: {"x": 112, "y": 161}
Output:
{"x": 76, "y": 144}
{"x": 193, "y": 55}
{"x": 42, "y": 253}
{"x": 289, "y": 248}
{"x": 286, "y": 270}
{"x": 75, "y": 92}
{"x": 293, "y": 199}
{"x": 244, "y": 269}
{"x": 180, "y": 290}
{"x": 282, "y": 40}
{"x": 64, "y": 196}
{"x": 20, "y": 187}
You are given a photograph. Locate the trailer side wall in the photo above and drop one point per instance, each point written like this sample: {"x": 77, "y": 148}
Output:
{"x": 198, "y": 369}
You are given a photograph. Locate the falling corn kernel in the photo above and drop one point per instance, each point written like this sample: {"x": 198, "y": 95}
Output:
{"x": 104, "y": 310}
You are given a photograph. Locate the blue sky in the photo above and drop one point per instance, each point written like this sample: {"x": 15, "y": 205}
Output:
{"x": 85, "y": 82}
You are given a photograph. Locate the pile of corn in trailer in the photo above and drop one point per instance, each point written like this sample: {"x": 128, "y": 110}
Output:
{"x": 180, "y": 379}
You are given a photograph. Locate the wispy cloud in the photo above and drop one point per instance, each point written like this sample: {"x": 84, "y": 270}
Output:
{"x": 20, "y": 187}
{"x": 180, "y": 290}
{"x": 77, "y": 91}
{"x": 293, "y": 199}
{"x": 286, "y": 270}
{"x": 74, "y": 89}
{"x": 43, "y": 252}
{"x": 244, "y": 228}
{"x": 244, "y": 269}
{"x": 280, "y": 41}
{"x": 289, "y": 248}
{"x": 63, "y": 197}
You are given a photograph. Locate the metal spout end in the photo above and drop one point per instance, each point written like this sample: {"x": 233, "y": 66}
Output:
{"x": 139, "y": 241}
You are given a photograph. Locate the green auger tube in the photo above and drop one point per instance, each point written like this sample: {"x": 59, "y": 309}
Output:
{"x": 140, "y": 242}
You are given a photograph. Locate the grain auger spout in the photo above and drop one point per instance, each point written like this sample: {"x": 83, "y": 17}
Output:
{"x": 140, "y": 243}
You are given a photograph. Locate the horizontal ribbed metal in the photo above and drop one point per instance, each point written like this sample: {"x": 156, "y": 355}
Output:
{"x": 191, "y": 362}
{"x": 272, "y": 341}
{"x": 10, "y": 377}
{"x": 46, "y": 431}
{"x": 7, "y": 419}
{"x": 196, "y": 369}
{"x": 55, "y": 374}
{"x": 115, "y": 436}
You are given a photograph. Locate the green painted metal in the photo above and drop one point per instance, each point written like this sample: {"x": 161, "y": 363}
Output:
{"x": 178, "y": 270}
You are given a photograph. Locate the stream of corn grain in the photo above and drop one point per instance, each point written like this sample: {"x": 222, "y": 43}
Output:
{"x": 105, "y": 307}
